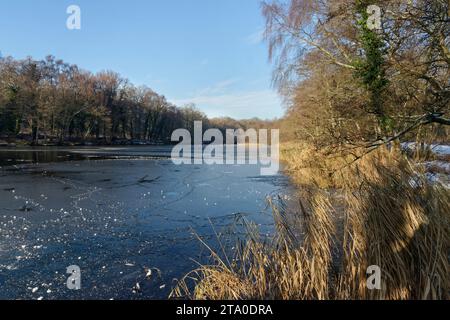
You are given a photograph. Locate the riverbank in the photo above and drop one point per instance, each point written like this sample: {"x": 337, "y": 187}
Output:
{"x": 382, "y": 211}
{"x": 14, "y": 142}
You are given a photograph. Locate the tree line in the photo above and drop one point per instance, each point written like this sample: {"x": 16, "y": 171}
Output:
{"x": 349, "y": 85}
{"x": 50, "y": 101}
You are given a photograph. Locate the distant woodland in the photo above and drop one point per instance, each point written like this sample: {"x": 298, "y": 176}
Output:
{"x": 53, "y": 102}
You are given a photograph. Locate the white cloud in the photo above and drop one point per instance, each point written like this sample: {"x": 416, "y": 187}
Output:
{"x": 217, "y": 88}
{"x": 255, "y": 38}
{"x": 264, "y": 104}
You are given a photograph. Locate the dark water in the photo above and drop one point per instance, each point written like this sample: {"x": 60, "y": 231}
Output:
{"x": 115, "y": 212}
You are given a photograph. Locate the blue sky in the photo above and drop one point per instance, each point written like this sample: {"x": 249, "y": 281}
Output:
{"x": 207, "y": 52}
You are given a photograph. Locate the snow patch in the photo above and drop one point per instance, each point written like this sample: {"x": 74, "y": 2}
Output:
{"x": 438, "y": 149}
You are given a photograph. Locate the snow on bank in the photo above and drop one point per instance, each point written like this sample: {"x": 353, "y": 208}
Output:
{"x": 438, "y": 171}
{"x": 438, "y": 149}
{"x": 433, "y": 178}
{"x": 438, "y": 166}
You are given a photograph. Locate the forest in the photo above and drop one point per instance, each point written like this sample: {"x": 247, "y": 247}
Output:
{"x": 53, "y": 102}
{"x": 351, "y": 86}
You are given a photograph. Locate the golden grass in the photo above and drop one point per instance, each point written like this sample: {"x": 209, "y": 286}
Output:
{"x": 281, "y": 269}
{"x": 387, "y": 215}
{"x": 308, "y": 166}
{"x": 396, "y": 220}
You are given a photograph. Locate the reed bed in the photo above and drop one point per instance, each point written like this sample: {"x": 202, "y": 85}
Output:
{"x": 386, "y": 215}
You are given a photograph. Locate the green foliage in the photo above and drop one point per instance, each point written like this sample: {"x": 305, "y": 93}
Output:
{"x": 370, "y": 68}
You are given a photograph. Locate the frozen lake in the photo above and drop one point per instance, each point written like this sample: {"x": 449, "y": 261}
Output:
{"x": 116, "y": 212}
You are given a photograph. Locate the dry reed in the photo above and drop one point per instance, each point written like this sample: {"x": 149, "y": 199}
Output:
{"x": 388, "y": 215}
